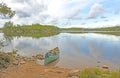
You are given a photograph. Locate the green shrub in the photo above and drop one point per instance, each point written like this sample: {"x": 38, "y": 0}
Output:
{"x": 87, "y": 73}
{"x": 99, "y": 73}
{"x": 5, "y": 60}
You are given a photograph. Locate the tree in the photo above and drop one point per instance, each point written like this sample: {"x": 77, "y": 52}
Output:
{"x": 6, "y": 11}
{"x": 8, "y": 24}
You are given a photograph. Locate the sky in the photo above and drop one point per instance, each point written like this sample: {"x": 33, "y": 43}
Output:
{"x": 65, "y": 13}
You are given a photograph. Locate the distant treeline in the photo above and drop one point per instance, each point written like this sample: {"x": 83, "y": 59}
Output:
{"x": 10, "y": 27}
{"x": 116, "y": 28}
{"x": 107, "y": 30}
{"x": 34, "y": 30}
{"x": 37, "y": 30}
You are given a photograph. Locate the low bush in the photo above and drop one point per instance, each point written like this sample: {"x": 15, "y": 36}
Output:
{"x": 5, "y": 59}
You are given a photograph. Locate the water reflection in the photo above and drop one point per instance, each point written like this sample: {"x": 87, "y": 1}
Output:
{"x": 76, "y": 50}
{"x": 82, "y": 50}
{"x": 28, "y": 46}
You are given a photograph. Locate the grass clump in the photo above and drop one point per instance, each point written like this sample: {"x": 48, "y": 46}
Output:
{"x": 87, "y": 73}
{"x": 5, "y": 59}
{"x": 99, "y": 73}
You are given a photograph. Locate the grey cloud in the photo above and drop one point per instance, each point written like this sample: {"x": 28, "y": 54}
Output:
{"x": 117, "y": 11}
{"x": 43, "y": 17}
{"x": 4, "y": 17}
{"x": 66, "y": 22}
{"x": 59, "y": 22}
{"x": 96, "y": 11}
{"x": 106, "y": 20}
{"x": 21, "y": 1}
{"x": 103, "y": 17}
{"x": 83, "y": 23}
{"x": 95, "y": 21}
{"x": 30, "y": 7}
{"x": 75, "y": 14}
{"x": 22, "y": 14}
{"x": 52, "y": 21}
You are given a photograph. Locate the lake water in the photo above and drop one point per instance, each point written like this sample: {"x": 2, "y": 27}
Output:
{"x": 76, "y": 50}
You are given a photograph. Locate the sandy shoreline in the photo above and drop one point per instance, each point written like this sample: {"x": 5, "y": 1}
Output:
{"x": 32, "y": 70}
{"x": 23, "y": 67}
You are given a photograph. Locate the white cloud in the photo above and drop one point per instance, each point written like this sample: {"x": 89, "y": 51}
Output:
{"x": 55, "y": 12}
{"x": 56, "y": 9}
{"x": 99, "y": 24}
{"x": 96, "y": 10}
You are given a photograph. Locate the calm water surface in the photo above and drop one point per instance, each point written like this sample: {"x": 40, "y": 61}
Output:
{"x": 76, "y": 50}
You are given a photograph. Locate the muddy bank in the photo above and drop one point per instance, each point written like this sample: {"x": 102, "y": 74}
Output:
{"x": 32, "y": 70}
{"x": 24, "y": 67}
{"x": 27, "y": 67}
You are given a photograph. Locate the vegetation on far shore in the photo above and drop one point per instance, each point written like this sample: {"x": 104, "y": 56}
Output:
{"x": 107, "y": 30}
{"x": 37, "y": 30}
{"x": 115, "y": 28}
{"x": 34, "y": 30}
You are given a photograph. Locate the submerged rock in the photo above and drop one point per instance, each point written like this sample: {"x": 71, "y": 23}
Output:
{"x": 98, "y": 62}
{"x": 105, "y": 67}
{"x": 22, "y": 62}
{"x": 16, "y": 62}
{"x": 39, "y": 56}
{"x": 74, "y": 73}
